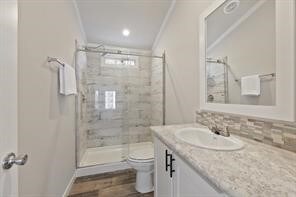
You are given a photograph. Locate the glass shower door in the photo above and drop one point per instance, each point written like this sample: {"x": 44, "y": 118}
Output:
{"x": 103, "y": 112}
{"x": 217, "y": 82}
{"x": 144, "y": 102}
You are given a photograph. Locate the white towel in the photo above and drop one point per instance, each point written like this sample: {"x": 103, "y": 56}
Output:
{"x": 250, "y": 85}
{"x": 67, "y": 78}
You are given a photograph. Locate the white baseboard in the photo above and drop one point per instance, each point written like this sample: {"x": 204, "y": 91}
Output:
{"x": 98, "y": 169}
{"x": 69, "y": 186}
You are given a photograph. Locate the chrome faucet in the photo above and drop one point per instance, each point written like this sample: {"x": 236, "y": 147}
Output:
{"x": 216, "y": 130}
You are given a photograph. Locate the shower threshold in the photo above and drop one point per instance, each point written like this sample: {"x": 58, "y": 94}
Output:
{"x": 109, "y": 154}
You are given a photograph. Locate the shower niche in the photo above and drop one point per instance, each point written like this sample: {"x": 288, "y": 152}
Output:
{"x": 120, "y": 97}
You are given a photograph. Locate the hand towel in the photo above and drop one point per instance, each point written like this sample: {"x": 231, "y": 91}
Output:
{"x": 67, "y": 80}
{"x": 250, "y": 85}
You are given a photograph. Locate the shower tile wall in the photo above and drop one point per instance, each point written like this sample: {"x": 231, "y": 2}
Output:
{"x": 81, "y": 135}
{"x": 139, "y": 102}
{"x": 129, "y": 122}
{"x": 216, "y": 82}
{"x": 156, "y": 92}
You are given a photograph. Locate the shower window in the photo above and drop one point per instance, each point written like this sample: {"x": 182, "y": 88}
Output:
{"x": 126, "y": 62}
{"x": 110, "y": 99}
{"x": 119, "y": 61}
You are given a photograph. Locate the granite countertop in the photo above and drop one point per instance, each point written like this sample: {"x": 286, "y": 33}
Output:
{"x": 255, "y": 170}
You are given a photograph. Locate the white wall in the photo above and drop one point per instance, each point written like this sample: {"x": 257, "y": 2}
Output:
{"x": 8, "y": 93}
{"x": 180, "y": 41}
{"x": 46, "y": 119}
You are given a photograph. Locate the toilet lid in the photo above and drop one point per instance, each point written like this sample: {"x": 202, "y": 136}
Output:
{"x": 142, "y": 153}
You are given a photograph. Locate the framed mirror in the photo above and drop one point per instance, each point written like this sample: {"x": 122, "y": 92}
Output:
{"x": 247, "y": 58}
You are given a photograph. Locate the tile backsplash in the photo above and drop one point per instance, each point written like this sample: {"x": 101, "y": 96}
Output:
{"x": 275, "y": 133}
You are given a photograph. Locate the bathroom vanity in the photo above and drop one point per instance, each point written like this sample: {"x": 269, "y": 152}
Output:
{"x": 174, "y": 177}
{"x": 247, "y": 56}
{"x": 257, "y": 169}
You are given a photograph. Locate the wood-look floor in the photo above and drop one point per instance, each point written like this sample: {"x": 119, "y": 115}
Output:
{"x": 111, "y": 184}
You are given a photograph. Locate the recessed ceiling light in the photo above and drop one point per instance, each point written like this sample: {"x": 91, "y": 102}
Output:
{"x": 126, "y": 32}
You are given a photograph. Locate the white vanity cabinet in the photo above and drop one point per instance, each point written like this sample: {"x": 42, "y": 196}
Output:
{"x": 163, "y": 183}
{"x": 175, "y": 178}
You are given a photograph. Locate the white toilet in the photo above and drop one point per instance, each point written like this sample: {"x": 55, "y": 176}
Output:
{"x": 142, "y": 160}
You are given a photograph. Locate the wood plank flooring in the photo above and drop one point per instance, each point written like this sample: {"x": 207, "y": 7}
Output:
{"x": 111, "y": 184}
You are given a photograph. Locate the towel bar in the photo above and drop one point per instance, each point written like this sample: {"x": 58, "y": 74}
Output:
{"x": 53, "y": 59}
{"x": 261, "y": 76}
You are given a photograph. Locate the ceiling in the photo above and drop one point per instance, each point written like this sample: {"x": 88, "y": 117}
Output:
{"x": 218, "y": 22}
{"x": 104, "y": 20}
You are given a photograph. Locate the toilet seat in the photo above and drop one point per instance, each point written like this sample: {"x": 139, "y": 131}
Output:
{"x": 141, "y": 160}
{"x": 142, "y": 155}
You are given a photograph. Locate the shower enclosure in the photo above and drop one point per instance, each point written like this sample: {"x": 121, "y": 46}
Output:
{"x": 120, "y": 97}
{"x": 217, "y": 80}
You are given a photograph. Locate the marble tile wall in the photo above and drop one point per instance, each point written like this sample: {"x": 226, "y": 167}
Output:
{"x": 275, "y": 133}
{"x": 136, "y": 89}
{"x": 215, "y": 83}
{"x": 81, "y": 137}
{"x": 156, "y": 92}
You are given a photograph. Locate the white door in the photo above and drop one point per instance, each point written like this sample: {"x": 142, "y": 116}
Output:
{"x": 163, "y": 182}
{"x": 8, "y": 94}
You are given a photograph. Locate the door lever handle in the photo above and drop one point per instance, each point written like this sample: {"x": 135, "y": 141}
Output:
{"x": 11, "y": 159}
{"x": 21, "y": 159}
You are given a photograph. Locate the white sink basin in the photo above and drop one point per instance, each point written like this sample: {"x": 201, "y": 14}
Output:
{"x": 204, "y": 138}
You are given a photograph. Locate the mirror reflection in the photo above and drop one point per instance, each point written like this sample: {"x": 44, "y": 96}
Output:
{"x": 240, "y": 53}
